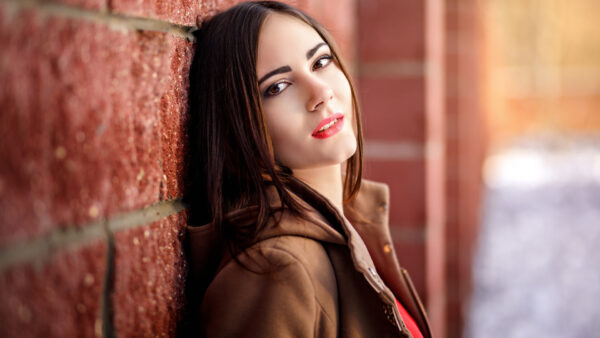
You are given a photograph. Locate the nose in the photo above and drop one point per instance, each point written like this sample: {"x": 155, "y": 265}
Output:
{"x": 319, "y": 94}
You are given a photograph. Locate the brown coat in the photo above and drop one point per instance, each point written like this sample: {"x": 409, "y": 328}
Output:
{"x": 308, "y": 280}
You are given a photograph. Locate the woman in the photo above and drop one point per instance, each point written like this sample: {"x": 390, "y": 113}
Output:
{"x": 291, "y": 247}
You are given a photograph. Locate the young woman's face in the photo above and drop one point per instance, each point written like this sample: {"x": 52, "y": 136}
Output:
{"x": 306, "y": 98}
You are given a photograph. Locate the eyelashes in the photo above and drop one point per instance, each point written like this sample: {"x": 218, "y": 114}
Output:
{"x": 278, "y": 87}
{"x": 322, "y": 62}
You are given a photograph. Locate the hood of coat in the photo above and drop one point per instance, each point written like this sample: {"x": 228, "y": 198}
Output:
{"x": 206, "y": 253}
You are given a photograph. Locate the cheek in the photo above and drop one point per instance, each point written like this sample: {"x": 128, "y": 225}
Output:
{"x": 345, "y": 97}
{"x": 276, "y": 127}
{"x": 342, "y": 88}
{"x": 283, "y": 129}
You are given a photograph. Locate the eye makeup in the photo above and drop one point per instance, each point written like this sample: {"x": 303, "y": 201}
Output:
{"x": 285, "y": 69}
{"x": 276, "y": 88}
{"x": 321, "y": 62}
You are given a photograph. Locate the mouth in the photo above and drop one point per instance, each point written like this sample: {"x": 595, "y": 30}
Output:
{"x": 329, "y": 126}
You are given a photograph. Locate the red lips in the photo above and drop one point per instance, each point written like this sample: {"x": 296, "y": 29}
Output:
{"x": 330, "y": 125}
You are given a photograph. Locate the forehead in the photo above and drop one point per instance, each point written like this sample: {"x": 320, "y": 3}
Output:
{"x": 283, "y": 36}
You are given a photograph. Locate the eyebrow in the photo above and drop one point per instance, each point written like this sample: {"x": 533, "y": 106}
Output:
{"x": 313, "y": 50}
{"x": 279, "y": 70}
{"x": 286, "y": 69}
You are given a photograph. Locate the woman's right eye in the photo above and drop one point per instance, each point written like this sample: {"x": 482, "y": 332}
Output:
{"x": 276, "y": 88}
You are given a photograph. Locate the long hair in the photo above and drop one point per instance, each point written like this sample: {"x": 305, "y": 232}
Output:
{"x": 230, "y": 159}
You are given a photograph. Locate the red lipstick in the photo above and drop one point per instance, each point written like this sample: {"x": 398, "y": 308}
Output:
{"x": 329, "y": 126}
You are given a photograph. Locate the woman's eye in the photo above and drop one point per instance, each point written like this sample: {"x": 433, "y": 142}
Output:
{"x": 322, "y": 62}
{"x": 276, "y": 89}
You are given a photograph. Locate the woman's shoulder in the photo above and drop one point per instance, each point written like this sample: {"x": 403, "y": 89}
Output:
{"x": 300, "y": 263}
{"x": 291, "y": 271}
{"x": 281, "y": 283}
{"x": 274, "y": 254}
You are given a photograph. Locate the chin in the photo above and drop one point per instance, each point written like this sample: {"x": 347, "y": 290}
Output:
{"x": 344, "y": 154}
{"x": 323, "y": 157}
{"x": 351, "y": 149}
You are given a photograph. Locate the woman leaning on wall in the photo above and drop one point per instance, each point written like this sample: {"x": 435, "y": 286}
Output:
{"x": 284, "y": 239}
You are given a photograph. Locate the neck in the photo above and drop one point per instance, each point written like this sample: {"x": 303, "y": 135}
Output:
{"x": 325, "y": 180}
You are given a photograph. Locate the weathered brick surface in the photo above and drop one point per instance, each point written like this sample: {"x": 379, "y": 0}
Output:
{"x": 407, "y": 189}
{"x": 393, "y": 108}
{"x": 149, "y": 279}
{"x": 59, "y": 298}
{"x": 178, "y": 11}
{"x": 391, "y": 30}
{"x": 79, "y": 133}
{"x": 187, "y": 12}
{"x": 173, "y": 113}
{"x": 84, "y": 4}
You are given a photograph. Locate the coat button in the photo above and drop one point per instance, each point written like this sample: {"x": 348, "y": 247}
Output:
{"x": 387, "y": 248}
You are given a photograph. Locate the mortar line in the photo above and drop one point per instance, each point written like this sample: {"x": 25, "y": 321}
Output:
{"x": 410, "y": 234}
{"x": 71, "y": 237}
{"x": 376, "y": 150}
{"x": 112, "y": 20}
{"x": 398, "y": 68}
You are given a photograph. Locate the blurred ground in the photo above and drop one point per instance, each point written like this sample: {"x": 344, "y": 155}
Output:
{"x": 537, "y": 269}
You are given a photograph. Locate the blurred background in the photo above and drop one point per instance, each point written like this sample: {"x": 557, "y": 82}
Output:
{"x": 536, "y": 265}
{"x": 483, "y": 116}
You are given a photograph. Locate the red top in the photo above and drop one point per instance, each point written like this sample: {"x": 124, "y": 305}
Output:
{"x": 411, "y": 325}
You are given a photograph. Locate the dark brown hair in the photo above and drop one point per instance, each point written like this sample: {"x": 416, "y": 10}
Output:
{"x": 231, "y": 160}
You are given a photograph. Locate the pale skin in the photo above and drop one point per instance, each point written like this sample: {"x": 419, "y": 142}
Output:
{"x": 302, "y": 88}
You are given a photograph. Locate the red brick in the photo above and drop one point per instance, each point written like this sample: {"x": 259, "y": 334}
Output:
{"x": 182, "y": 12}
{"x": 407, "y": 189}
{"x": 79, "y": 133}
{"x": 393, "y": 108}
{"x": 179, "y": 11}
{"x": 391, "y": 30}
{"x": 58, "y": 299}
{"x": 149, "y": 279}
{"x": 173, "y": 112}
{"x": 411, "y": 256}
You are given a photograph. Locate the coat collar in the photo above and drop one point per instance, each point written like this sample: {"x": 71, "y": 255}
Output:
{"x": 206, "y": 251}
{"x": 370, "y": 205}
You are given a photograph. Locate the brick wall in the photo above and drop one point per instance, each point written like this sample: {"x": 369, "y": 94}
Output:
{"x": 419, "y": 67}
{"x": 94, "y": 103}
{"x": 94, "y": 100}
{"x": 392, "y": 92}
